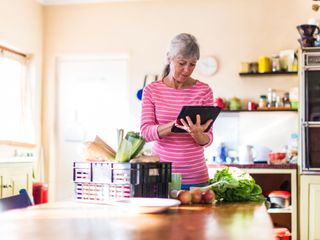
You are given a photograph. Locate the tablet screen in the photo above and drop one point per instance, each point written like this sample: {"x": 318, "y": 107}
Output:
{"x": 205, "y": 112}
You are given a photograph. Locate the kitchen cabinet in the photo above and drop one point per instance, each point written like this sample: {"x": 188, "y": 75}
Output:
{"x": 309, "y": 207}
{"x": 275, "y": 177}
{"x": 14, "y": 176}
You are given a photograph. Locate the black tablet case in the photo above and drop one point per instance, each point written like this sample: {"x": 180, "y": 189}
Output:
{"x": 205, "y": 112}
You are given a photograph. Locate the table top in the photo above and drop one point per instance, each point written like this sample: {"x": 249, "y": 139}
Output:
{"x": 74, "y": 220}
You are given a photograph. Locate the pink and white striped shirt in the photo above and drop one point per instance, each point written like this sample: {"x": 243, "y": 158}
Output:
{"x": 162, "y": 104}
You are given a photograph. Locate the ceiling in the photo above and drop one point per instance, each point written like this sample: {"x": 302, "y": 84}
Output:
{"x": 65, "y": 2}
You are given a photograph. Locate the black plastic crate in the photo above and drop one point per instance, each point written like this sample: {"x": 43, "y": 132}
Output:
{"x": 150, "y": 173}
{"x": 160, "y": 190}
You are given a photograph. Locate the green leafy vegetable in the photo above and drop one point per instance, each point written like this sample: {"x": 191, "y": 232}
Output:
{"x": 231, "y": 184}
{"x": 130, "y": 147}
{"x": 137, "y": 143}
{"x": 124, "y": 151}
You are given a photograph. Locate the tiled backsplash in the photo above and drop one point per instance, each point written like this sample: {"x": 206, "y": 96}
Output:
{"x": 269, "y": 129}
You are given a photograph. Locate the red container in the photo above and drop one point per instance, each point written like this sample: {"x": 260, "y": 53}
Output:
{"x": 281, "y": 234}
{"x": 40, "y": 193}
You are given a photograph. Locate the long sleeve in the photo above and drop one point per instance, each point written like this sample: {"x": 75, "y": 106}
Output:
{"x": 149, "y": 124}
{"x": 208, "y": 101}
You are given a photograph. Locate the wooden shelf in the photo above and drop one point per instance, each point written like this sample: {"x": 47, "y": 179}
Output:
{"x": 279, "y": 210}
{"x": 269, "y": 73}
{"x": 17, "y": 144}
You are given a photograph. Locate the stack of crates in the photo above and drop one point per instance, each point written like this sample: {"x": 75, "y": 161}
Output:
{"x": 103, "y": 181}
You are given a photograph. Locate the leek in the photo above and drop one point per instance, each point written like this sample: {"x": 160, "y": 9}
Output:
{"x": 130, "y": 147}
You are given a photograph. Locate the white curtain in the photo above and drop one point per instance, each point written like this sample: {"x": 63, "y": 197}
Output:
{"x": 17, "y": 99}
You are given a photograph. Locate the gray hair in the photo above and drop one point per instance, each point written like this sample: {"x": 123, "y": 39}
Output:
{"x": 184, "y": 45}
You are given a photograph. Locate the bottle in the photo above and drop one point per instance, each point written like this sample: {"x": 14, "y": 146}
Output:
{"x": 295, "y": 66}
{"x": 293, "y": 148}
{"x": 271, "y": 98}
{"x": 222, "y": 153}
{"x": 278, "y": 102}
{"x": 263, "y": 101}
{"x": 286, "y": 100}
{"x": 275, "y": 63}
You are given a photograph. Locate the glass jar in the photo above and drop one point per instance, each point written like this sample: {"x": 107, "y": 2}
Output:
{"x": 275, "y": 64}
{"x": 254, "y": 67}
{"x": 263, "y": 101}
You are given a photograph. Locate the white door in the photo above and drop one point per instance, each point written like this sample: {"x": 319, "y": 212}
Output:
{"x": 92, "y": 100}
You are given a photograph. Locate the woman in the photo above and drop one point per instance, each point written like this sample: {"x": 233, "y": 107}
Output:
{"x": 161, "y": 103}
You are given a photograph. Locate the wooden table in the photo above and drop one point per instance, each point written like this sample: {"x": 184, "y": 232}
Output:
{"x": 73, "y": 220}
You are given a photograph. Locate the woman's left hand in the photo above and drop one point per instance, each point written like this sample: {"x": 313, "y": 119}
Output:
{"x": 196, "y": 130}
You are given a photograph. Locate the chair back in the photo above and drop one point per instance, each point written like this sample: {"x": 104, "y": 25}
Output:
{"x": 21, "y": 200}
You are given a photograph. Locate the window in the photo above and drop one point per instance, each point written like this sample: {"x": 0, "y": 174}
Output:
{"x": 15, "y": 98}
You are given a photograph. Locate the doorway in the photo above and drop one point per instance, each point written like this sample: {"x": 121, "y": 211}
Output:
{"x": 92, "y": 100}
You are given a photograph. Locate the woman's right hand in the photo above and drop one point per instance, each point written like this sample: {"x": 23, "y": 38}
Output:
{"x": 165, "y": 129}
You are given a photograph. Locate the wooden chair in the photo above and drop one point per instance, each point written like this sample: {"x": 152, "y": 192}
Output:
{"x": 21, "y": 200}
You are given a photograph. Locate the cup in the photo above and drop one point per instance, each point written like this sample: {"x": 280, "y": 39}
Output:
{"x": 176, "y": 180}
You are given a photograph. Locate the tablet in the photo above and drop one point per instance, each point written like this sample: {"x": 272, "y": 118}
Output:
{"x": 206, "y": 113}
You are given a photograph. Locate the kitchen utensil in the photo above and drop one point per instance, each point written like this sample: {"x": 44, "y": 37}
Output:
{"x": 307, "y": 41}
{"x": 277, "y": 158}
{"x": 140, "y": 91}
{"x": 308, "y": 30}
{"x": 145, "y": 82}
{"x": 280, "y": 199}
{"x": 246, "y": 154}
{"x": 261, "y": 154}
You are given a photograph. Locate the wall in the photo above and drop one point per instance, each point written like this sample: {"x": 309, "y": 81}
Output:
{"x": 21, "y": 28}
{"x": 233, "y": 31}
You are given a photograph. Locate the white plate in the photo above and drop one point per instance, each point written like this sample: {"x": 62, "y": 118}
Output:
{"x": 146, "y": 205}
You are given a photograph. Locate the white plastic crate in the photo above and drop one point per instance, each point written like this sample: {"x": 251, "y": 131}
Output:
{"x": 101, "y": 172}
{"x": 101, "y": 192}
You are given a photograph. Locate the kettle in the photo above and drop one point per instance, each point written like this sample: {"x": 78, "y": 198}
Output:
{"x": 245, "y": 154}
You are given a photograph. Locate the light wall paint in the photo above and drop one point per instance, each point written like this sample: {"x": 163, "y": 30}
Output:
{"x": 21, "y": 28}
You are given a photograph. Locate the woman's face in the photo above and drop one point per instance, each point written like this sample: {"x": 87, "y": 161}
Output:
{"x": 182, "y": 68}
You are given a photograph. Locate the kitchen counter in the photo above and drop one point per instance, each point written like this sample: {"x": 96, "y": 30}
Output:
{"x": 258, "y": 166}
{"x": 16, "y": 159}
{"x": 273, "y": 177}
{"x": 74, "y": 220}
